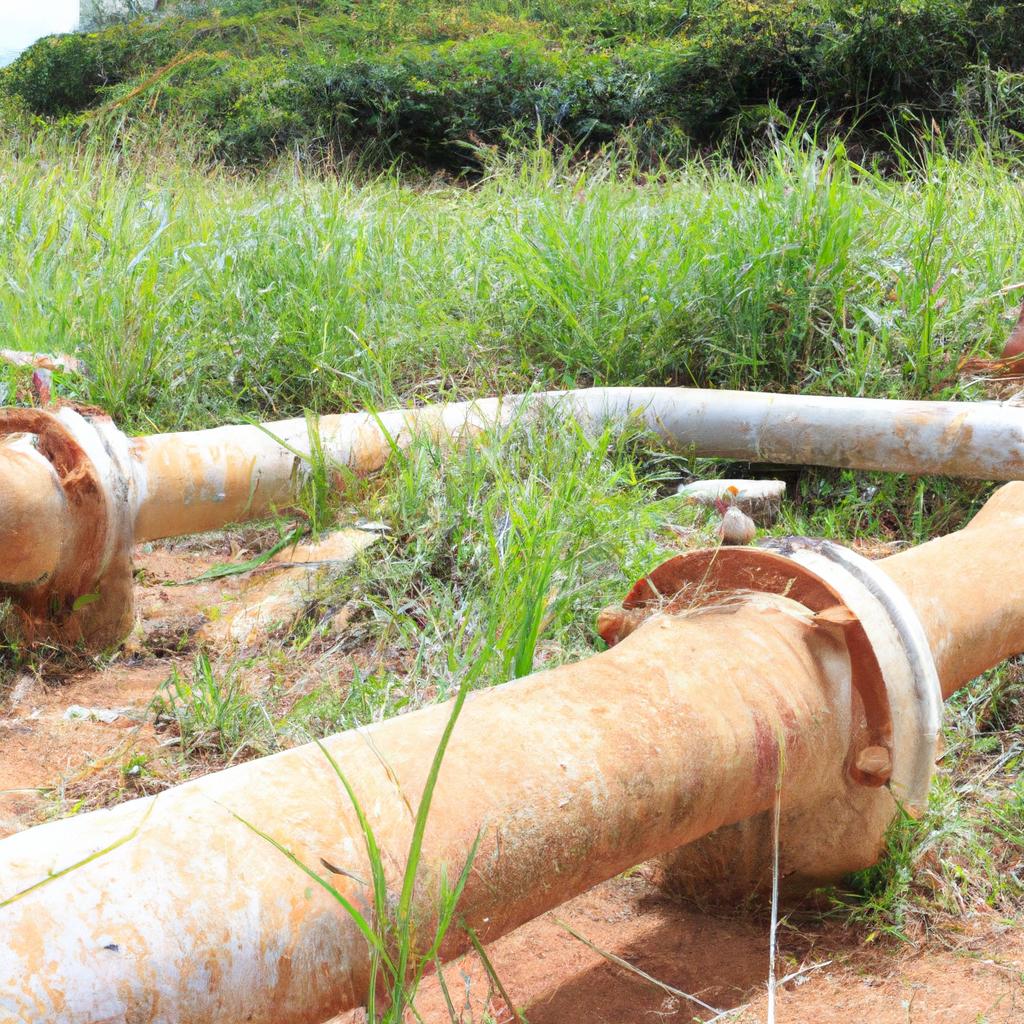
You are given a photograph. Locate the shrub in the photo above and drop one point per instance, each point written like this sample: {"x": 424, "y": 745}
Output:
{"x": 252, "y": 108}
{"x": 63, "y": 74}
{"x": 429, "y": 83}
{"x": 425, "y": 101}
{"x": 988, "y": 105}
{"x": 889, "y": 53}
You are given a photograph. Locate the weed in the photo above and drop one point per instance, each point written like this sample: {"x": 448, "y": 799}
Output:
{"x": 288, "y": 538}
{"x": 369, "y": 697}
{"x": 320, "y": 476}
{"x": 806, "y": 274}
{"x": 214, "y": 715}
{"x": 517, "y": 541}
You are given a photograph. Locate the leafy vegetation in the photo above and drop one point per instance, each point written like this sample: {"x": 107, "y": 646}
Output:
{"x": 432, "y": 82}
{"x": 214, "y": 715}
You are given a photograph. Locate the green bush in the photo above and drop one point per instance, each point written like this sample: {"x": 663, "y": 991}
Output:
{"x": 745, "y": 53}
{"x": 423, "y": 100}
{"x": 432, "y": 104}
{"x": 430, "y": 82}
{"x": 988, "y": 106}
{"x": 63, "y": 74}
{"x": 252, "y": 108}
{"x": 888, "y": 53}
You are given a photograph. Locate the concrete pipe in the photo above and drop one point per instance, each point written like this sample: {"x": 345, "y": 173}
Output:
{"x": 32, "y": 511}
{"x": 799, "y": 673}
{"x": 171, "y": 484}
{"x": 967, "y": 589}
{"x": 188, "y": 482}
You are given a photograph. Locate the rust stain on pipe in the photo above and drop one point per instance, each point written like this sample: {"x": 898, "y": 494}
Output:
{"x": 32, "y": 513}
{"x": 85, "y": 592}
{"x": 54, "y": 597}
{"x": 968, "y": 590}
{"x": 674, "y": 732}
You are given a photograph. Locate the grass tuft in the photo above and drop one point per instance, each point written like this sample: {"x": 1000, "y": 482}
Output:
{"x": 214, "y": 715}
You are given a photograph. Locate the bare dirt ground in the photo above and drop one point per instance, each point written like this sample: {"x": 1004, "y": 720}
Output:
{"x": 54, "y": 760}
{"x": 68, "y": 731}
{"x": 974, "y": 975}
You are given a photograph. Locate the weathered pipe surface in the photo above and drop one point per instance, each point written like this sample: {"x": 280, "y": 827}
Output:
{"x": 32, "y": 511}
{"x": 198, "y": 480}
{"x": 194, "y": 481}
{"x": 967, "y": 595}
{"x": 66, "y": 520}
{"x": 968, "y": 589}
{"x": 189, "y": 482}
{"x": 574, "y": 775}
{"x": 693, "y": 722}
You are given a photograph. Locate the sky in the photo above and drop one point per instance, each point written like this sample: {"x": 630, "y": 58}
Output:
{"x": 23, "y": 21}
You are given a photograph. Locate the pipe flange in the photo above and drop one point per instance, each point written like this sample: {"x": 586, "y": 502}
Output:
{"x": 891, "y": 731}
{"x": 901, "y": 650}
{"x": 87, "y": 597}
{"x": 891, "y": 663}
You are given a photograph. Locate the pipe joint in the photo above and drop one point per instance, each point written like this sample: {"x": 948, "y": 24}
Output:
{"x": 82, "y": 536}
{"x": 885, "y": 693}
{"x": 891, "y": 664}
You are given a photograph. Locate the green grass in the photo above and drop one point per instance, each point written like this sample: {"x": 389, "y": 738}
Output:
{"x": 213, "y": 714}
{"x": 198, "y": 298}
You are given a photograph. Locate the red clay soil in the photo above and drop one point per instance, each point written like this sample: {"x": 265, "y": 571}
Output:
{"x": 47, "y": 760}
{"x": 41, "y": 751}
{"x": 971, "y": 971}
{"x": 556, "y": 979}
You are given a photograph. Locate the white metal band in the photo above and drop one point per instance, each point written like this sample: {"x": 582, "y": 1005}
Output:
{"x": 901, "y": 647}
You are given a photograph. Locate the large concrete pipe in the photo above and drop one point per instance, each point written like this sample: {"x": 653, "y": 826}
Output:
{"x": 200, "y": 480}
{"x": 799, "y": 673}
{"x": 74, "y": 586}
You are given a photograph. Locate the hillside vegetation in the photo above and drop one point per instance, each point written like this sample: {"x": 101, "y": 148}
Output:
{"x": 433, "y": 81}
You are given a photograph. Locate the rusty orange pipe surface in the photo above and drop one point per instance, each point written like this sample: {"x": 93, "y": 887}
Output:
{"x": 574, "y": 775}
{"x": 66, "y": 519}
{"x": 169, "y": 909}
{"x": 968, "y": 589}
{"x": 32, "y": 512}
